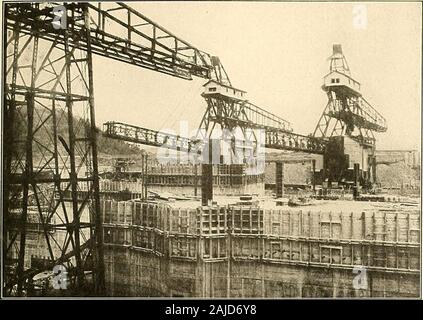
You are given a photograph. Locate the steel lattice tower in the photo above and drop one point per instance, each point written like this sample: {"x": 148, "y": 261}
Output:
{"x": 50, "y": 150}
{"x": 347, "y": 112}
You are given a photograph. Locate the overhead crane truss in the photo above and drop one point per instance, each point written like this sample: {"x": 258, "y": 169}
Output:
{"x": 121, "y": 33}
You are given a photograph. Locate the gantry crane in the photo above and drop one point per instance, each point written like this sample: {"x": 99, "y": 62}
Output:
{"x": 347, "y": 114}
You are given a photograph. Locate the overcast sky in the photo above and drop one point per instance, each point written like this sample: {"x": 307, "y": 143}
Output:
{"x": 278, "y": 53}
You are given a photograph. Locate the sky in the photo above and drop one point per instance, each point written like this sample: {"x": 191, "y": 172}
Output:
{"x": 277, "y": 52}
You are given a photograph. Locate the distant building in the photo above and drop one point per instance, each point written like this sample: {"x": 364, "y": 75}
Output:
{"x": 409, "y": 157}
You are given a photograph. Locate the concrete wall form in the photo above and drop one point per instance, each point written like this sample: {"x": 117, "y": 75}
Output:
{"x": 251, "y": 252}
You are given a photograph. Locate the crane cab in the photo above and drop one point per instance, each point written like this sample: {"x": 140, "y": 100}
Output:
{"x": 336, "y": 80}
{"x": 214, "y": 88}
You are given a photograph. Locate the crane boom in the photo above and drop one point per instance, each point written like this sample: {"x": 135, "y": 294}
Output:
{"x": 119, "y": 32}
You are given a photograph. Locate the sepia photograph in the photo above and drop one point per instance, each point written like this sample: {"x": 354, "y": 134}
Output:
{"x": 211, "y": 150}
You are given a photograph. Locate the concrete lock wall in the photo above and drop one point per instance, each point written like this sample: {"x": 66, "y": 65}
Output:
{"x": 250, "y": 252}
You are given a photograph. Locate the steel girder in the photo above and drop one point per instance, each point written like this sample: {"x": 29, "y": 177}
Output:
{"x": 121, "y": 33}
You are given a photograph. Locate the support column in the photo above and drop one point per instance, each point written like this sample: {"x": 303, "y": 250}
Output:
{"x": 195, "y": 180}
{"x": 99, "y": 282}
{"x": 207, "y": 176}
{"x": 325, "y": 185}
{"x": 374, "y": 176}
{"x": 73, "y": 176}
{"x": 9, "y": 141}
{"x": 279, "y": 180}
{"x": 356, "y": 180}
{"x": 28, "y": 177}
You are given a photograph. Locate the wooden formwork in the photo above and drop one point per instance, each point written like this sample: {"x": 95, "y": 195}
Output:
{"x": 112, "y": 186}
{"x": 246, "y": 220}
{"x": 120, "y": 185}
{"x": 394, "y": 227}
{"x": 241, "y": 251}
{"x": 212, "y": 220}
{"x": 227, "y": 179}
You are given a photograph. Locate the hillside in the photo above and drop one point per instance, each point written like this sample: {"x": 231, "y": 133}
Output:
{"x": 113, "y": 147}
{"x": 43, "y": 135}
